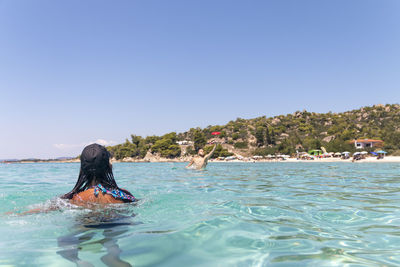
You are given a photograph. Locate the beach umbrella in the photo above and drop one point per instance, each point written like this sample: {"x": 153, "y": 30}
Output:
{"x": 357, "y": 153}
{"x": 364, "y": 152}
{"x": 346, "y": 152}
{"x": 381, "y": 152}
{"x": 374, "y": 153}
{"x": 338, "y": 154}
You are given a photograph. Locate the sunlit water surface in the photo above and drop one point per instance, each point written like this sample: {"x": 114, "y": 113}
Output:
{"x": 232, "y": 214}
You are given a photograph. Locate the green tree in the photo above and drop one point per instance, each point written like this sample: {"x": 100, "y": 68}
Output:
{"x": 190, "y": 151}
{"x": 260, "y": 133}
{"x": 273, "y": 140}
{"x": 124, "y": 150}
{"x": 151, "y": 140}
{"x": 268, "y": 136}
{"x": 199, "y": 140}
{"x": 219, "y": 151}
{"x": 339, "y": 145}
{"x": 241, "y": 145}
{"x": 143, "y": 148}
{"x": 136, "y": 139}
{"x": 311, "y": 143}
{"x": 172, "y": 136}
{"x": 173, "y": 151}
{"x": 285, "y": 147}
{"x": 161, "y": 145}
{"x": 166, "y": 146}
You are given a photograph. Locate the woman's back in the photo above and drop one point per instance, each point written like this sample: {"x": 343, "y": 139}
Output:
{"x": 88, "y": 196}
{"x": 102, "y": 195}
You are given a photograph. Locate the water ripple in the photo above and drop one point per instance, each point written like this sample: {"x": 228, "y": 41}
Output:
{"x": 262, "y": 214}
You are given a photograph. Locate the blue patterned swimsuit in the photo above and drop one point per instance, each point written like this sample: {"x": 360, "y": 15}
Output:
{"x": 118, "y": 194}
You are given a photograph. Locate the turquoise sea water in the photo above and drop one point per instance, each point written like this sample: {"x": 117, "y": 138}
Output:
{"x": 232, "y": 214}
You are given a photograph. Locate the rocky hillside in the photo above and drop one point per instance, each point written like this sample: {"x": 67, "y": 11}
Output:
{"x": 301, "y": 131}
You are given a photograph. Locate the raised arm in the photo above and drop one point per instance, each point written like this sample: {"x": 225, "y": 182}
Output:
{"x": 211, "y": 153}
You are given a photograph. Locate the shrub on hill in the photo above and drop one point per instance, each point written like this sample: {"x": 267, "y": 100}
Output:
{"x": 128, "y": 149}
{"x": 166, "y": 146}
{"x": 241, "y": 145}
{"x": 199, "y": 140}
{"x": 219, "y": 151}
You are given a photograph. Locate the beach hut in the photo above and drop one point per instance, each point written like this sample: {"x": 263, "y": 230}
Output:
{"x": 365, "y": 143}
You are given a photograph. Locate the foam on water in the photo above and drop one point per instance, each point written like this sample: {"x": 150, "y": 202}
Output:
{"x": 262, "y": 214}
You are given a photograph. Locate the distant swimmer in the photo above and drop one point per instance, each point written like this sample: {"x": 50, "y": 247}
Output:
{"x": 200, "y": 161}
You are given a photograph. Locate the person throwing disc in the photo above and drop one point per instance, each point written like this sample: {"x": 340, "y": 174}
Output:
{"x": 200, "y": 161}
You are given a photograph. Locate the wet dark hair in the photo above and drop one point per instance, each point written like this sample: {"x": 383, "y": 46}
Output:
{"x": 95, "y": 165}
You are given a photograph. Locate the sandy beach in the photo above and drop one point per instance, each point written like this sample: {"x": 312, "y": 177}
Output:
{"x": 387, "y": 159}
{"x": 366, "y": 160}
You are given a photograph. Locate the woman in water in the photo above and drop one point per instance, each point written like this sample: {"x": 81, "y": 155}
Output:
{"x": 96, "y": 182}
{"x": 96, "y": 185}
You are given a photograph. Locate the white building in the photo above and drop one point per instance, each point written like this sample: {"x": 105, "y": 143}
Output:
{"x": 367, "y": 143}
{"x": 184, "y": 143}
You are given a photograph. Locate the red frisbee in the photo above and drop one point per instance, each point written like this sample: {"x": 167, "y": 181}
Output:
{"x": 216, "y": 133}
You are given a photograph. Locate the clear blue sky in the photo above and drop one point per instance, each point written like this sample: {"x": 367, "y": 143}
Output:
{"x": 73, "y": 72}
